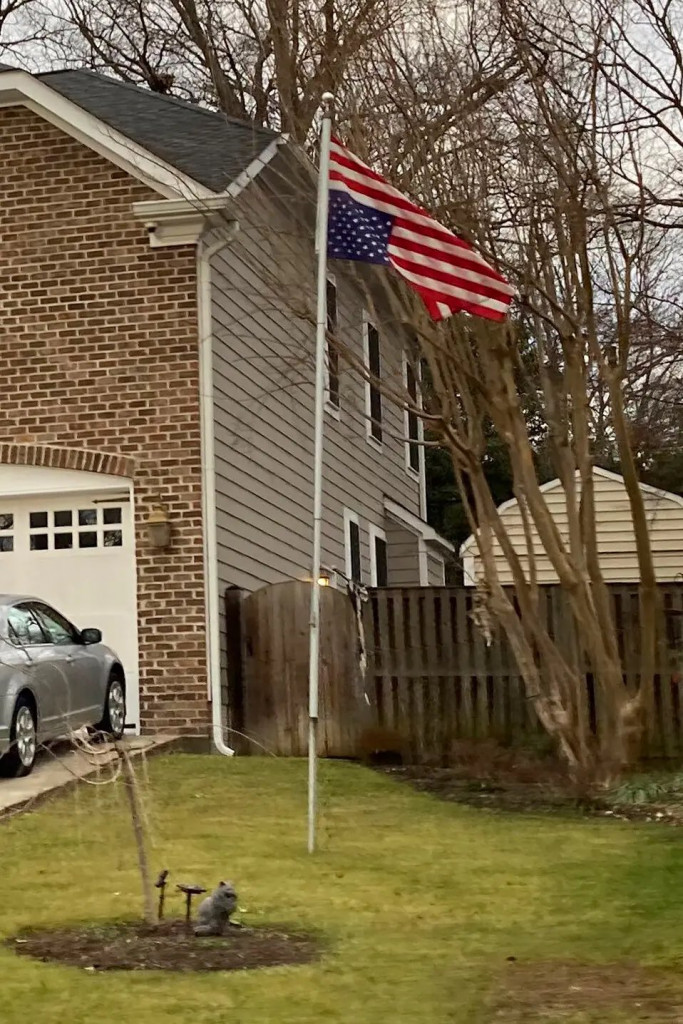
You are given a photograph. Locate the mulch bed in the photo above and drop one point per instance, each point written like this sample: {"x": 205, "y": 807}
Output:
{"x": 167, "y": 947}
{"x": 556, "y": 989}
{"x": 504, "y": 779}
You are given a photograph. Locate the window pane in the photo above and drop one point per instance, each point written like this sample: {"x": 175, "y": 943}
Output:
{"x": 376, "y": 413}
{"x": 111, "y": 515}
{"x": 59, "y": 629}
{"x": 38, "y": 520}
{"x": 39, "y": 542}
{"x": 354, "y": 548}
{"x": 87, "y": 539}
{"x": 332, "y": 353}
{"x": 6, "y": 543}
{"x": 413, "y": 449}
{"x": 24, "y": 627}
{"x": 6, "y": 521}
{"x": 87, "y": 517}
{"x": 63, "y": 541}
{"x": 63, "y": 518}
{"x": 374, "y": 365}
{"x": 413, "y": 423}
{"x": 381, "y": 562}
{"x": 411, "y": 382}
{"x": 113, "y": 539}
{"x": 373, "y": 350}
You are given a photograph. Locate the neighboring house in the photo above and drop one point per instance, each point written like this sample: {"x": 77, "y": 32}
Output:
{"x": 158, "y": 358}
{"x": 614, "y": 527}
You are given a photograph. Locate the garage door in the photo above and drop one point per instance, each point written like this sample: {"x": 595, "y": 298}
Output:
{"x": 75, "y": 549}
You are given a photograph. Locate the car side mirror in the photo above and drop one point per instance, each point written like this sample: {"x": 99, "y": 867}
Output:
{"x": 91, "y": 636}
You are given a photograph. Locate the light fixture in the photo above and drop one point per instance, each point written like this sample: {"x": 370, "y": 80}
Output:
{"x": 323, "y": 581}
{"x": 158, "y": 527}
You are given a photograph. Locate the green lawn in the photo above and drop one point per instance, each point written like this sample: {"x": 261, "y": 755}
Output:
{"x": 421, "y": 902}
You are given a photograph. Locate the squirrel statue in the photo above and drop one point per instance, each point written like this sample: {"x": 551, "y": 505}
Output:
{"x": 213, "y": 913}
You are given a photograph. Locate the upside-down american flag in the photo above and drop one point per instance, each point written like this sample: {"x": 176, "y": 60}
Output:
{"x": 370, "y": 221}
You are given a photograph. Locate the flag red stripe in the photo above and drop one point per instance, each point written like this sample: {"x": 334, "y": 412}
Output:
{"x": 462, "y": 262}
{"x": 432, "y": 275}
{"x": 467, "y": 254}
{"x": 378, "y": 193}
{"x": 433, "y": 299}
{"x": 442, "y": 268}
{"x": 436, "y": 232}
{"x": 347, "y": 159}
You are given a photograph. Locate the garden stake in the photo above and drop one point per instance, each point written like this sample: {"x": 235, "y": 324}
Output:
{"x": 160, "y": 884}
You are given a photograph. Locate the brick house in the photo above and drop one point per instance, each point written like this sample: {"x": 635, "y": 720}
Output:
{"x": 154, "y": 363}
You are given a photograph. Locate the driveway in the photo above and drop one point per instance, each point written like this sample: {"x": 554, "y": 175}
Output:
{"x": 62, "y": 766}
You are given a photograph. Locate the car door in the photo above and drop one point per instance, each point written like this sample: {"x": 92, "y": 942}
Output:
{"x": 43, "y": 673}
{"x": 80, "y": 664}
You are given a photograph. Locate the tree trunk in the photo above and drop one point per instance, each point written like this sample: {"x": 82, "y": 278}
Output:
{"x": 137, "y": 819}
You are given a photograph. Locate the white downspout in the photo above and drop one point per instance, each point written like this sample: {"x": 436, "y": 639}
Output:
{"x": 205, "y": 254}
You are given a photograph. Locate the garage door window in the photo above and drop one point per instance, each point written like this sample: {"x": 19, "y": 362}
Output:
{"x": 82, "y": 528}
{"x": 6, "y": 532}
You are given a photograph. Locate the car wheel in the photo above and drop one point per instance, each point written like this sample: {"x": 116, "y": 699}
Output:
{"x": 21, "y": 756}
{"x": 114, "y": 719}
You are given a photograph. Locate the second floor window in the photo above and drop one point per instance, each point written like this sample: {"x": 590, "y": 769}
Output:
{"x": 412, "y": 420}
{"x": 374, "y": 365}
{"x": 352, "y": 546}
{"x": 379, "y": 576}
{"x": 332, "y": 353}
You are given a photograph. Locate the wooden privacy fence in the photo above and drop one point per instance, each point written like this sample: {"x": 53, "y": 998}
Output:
{"x": 272, "y": 693}
{"x": 435, "y": 679}
{"x": 432, "y": 678}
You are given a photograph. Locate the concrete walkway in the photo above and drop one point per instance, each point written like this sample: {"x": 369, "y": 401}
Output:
{"x": 63, "y": 766}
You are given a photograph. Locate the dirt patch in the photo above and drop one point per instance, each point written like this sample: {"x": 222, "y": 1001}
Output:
{"x": 538, "y": 991}
{"x": 168, "y": 947}
{"x": 484, "y": 774}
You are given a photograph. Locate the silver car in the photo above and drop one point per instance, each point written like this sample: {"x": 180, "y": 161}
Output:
{"x": 54, "y": 679}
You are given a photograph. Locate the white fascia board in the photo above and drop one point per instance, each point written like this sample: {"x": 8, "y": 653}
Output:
{"x": 236, "y": 187}
{"x": 19, "y": 88}
{"x": 182, "y": 221}
{"x": 411, "y": 522}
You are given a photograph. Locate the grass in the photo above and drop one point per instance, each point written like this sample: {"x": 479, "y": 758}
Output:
{"x": 420, "y": 901}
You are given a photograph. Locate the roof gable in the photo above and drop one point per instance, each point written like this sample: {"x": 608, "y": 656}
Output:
{"x": 556, "y": 484}
{"x": 178, "y": 148}
{"x": 205, "y": 145}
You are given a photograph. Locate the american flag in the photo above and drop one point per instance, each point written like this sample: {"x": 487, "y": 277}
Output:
{"x": 372, "y": 222}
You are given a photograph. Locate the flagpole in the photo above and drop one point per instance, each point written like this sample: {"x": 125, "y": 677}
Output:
{"x": 320, "y": 351}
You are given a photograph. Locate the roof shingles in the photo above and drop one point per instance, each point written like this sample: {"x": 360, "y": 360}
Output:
{"x": 207, "y": 146}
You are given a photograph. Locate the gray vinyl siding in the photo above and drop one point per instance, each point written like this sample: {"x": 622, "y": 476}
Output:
{"x": 435, "y": 569}
{"x": 403, "y": 563}
{"x": 263, "y": 285}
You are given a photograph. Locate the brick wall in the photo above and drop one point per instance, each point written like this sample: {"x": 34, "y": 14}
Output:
{"x": 99, "y": 335}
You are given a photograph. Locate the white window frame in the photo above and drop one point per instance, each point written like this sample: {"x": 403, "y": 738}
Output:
{"x": 330, "y": 407}
{"x": 419, "y": 474}
{"x": 367, "y": 323}
{"x": 351, "y": 517}
{"x": 374, "y": 533}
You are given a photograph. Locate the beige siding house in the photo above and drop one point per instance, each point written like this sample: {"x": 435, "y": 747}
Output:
{"x": 616, "y": 540}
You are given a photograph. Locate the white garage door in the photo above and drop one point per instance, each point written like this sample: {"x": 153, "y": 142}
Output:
{"x": 75, "y": 549}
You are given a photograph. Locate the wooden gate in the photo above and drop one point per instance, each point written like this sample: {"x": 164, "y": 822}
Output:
{"x": 275, "y": 632}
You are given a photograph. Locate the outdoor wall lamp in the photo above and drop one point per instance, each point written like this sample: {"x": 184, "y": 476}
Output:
{"x": 158, "y": 527}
